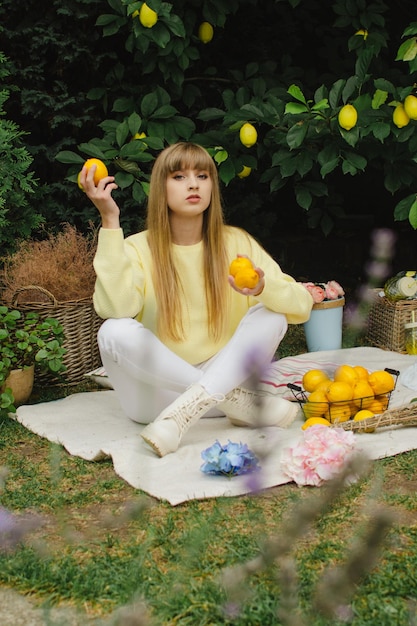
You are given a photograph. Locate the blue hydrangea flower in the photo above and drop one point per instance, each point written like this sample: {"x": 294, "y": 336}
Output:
{"x": 231, "y": 459}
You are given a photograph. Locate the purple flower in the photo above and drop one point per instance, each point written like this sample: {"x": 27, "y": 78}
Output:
{"x": 14, "y": 528}
{"x": 232, "y": 459}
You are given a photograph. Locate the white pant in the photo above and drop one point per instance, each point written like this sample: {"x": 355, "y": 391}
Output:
{"x": 147, "y": 376}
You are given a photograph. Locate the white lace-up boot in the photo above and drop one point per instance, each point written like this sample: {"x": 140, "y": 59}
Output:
{"x": 244, "y": 407}
{"x": 164, "y": 434}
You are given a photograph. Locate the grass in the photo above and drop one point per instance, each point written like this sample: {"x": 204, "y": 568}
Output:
{"x": 105, "y": 544}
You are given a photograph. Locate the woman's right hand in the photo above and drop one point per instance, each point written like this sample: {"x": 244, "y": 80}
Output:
{"x": 101, "y": 197}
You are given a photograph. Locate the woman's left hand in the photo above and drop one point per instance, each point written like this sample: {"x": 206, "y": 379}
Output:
{"x": 256, "y": 290}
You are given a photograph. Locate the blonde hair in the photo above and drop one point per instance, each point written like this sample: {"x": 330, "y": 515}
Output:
{"x": 167, "y": 282}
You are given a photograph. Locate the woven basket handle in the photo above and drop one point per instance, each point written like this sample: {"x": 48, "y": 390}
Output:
{"x": 33, "y": 288}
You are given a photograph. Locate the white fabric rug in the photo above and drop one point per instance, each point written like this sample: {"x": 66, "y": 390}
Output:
{"x": 92, "y": 426}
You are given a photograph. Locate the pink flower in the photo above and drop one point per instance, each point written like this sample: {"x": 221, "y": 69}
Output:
{"x": 324, "y": 291}
{"x": 332, "y": 284}
{"x": 319, "y": 456}
{"x": 318, "y": 293}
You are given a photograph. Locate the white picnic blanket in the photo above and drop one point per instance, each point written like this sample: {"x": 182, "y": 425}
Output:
{"x": 91, "y": 425}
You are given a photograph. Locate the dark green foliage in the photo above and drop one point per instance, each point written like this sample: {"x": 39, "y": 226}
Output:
{"x": 17, "y": 217}
{"x": 90, "y": 77}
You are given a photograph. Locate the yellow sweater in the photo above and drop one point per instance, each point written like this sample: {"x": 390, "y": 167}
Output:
{"x": 124, "y": 288}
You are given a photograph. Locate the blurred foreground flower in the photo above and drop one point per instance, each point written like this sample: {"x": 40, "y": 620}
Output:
{"x": 319, "y": 456}
{"x": 229, "y": 460}
{"x": 13, "y": 528}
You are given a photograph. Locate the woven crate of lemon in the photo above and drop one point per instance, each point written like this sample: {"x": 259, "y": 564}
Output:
{"x": 352, "y": 393}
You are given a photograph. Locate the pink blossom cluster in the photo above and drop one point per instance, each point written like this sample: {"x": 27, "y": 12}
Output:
{"x": 319, "y": 456}
{"x": 325, "y": 291}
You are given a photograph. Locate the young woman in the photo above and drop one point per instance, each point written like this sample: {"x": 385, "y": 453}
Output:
{"x": 181, "y": 340}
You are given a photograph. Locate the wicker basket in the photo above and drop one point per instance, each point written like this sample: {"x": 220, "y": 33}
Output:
{"x": 386, "y": 322}
{"x": 80, "y": 323}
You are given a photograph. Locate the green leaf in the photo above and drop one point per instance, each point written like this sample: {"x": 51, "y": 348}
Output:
{"x": 227, "y": 171}
{"x": 295, "y": 108}
{"x": 164, "y": 112}
{"x": 380, "y": 97}
{"x": 296, "y": 93}
{"x": 412, "y": 217}
{"x": 210, "y": 114}
{"x": 381, "y": 130}
{"x": 149, "y": 104}
{"x": 356, "y": 160}
{"x": 402, "y": 209}
{"x": 328, "y": 167}
{"x": 66, "y": 156}
{"x": 321, "y": 105}
{"x": 303, "y": 197}
{"x": 407, "y": 51}
{"x": 124, "y": 179}
{"x": 296, "y": 134}
{"x": 336, "y": 93}
{"x": 122, "y": 133}
{"x": 221, "y": 156}
{"x": 134, "y": 123}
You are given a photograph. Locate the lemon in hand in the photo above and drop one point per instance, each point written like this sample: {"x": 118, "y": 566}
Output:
{"x": 101, "y": 171}
{"x": 238, "y": 264}
{"x": 248, "y": 135}
{"x": 246, "y": 278}
{"x": 348, "y": 116}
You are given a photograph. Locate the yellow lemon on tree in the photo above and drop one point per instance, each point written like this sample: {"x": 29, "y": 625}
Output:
{"x": 139, "y": 136}
{"x": 147, "y": 16}
{"x": 363, "y": 32}
{"x": 246, "y": 278}
{"x": 101, "y": 171}
{"x": 363, "y": 415}
{"x": 410, "y": 107}
{"x": 346, "y": 374}
{"x": 238, "y": 264}
{"x": 381, "y": 382}
{"x": 400, "y": 117}
{"x": 315, "y": 421}
{"x": 248, "y": 135}
{"x": 205, "y": 32}
{"x": 339, "y": 392}
{"x": 313, "y": 378}
{"x": 244, "y": 172}
{"x": 348, "y": 116}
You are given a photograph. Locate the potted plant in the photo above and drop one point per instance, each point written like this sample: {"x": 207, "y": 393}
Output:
{"x": 27, "y": 342}
{"x": 323, "y": 330}
{"x": 55, "y": 277}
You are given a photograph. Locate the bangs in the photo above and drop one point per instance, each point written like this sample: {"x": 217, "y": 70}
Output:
{"x": 189, "y": 156}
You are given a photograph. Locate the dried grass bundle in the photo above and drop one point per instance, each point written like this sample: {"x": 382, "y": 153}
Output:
{"x": 62, "y": 264}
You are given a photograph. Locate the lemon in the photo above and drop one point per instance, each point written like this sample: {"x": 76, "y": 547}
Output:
{"x": 363, "y": 32}
{"x": 238, "y": 264}
{"x": 313, "y": 421}
{"x": 205, "y": 32}
{"x": 339, "y": 392}
{"x": 348, "y": 116}
{"x": 244, "y": 172}
{"x": 381, "y": 382}
{"x": 363, "y": 415}
{"x": 361, "y": 372}
{"x": 316, "y": 405}
{"x": 400, "y": 117}
{"x": 346, "y": 374}
{"x": 410, "y": 107}
{"x": 248, "y": 135}
{"x": 147, "y": 16}
{"x": 340, "y": 412}
{"x": 101, "y": 171}
{"x": 363, "y": 394}
{"x": 246, "y": 278}
{"x": 313, "y": 378}
{"x": 139, "y": 136}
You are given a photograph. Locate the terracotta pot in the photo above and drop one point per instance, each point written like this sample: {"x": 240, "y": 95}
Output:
{"x": 21, "y": 383}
